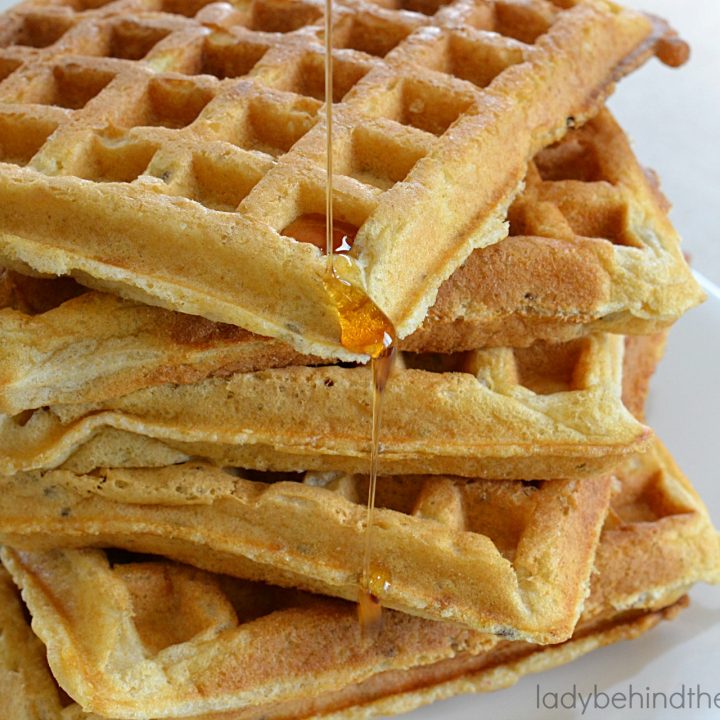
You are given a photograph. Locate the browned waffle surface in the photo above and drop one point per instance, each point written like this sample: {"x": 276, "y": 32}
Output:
{"x": 497, "y": 669}
{"x": 485, "y": 554}
{"x": 539, "y": 412}
{"x": 117, "y": 345}
{"x": 117, "y": 644}
{"x": 34, "y": 693}
{"x": 171, "y": 640}
{"x": 159, "y": 149}
{"x": 27, "y": 688}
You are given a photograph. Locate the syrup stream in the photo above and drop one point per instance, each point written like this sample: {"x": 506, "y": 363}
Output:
{"x": 366, "y": 330}
{"x": 329, "y": 130}
{"x": 374, "y": 579}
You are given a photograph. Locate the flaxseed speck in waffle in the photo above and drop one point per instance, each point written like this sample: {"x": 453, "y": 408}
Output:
{"x": 159, "y": 149}
{"x": 590, "y": 248}
{"x": 117, "y": 645}
{"x": 538, "y": 412}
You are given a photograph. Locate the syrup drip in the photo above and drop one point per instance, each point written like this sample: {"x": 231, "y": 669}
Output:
{"x": 375, "y": 579}
{"x": 329, "y": 225}
{"x": 366, "y": 330}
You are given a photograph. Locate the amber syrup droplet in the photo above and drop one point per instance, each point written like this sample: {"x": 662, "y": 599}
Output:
{"x": 365, "y": 330}
{"x": 375, "y": 582}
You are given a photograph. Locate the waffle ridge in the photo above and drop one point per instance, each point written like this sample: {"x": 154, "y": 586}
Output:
{"x": 525, "y": 578}
{"x": 207, "y": 127}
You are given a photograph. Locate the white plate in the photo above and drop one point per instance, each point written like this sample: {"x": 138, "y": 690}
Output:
{"x": 684, "y": 409}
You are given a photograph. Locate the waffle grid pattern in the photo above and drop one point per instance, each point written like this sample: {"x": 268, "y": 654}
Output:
{"x": 116, "y": 90}
{"x": 110, "y": 80}
{"x": 220, "y": 105}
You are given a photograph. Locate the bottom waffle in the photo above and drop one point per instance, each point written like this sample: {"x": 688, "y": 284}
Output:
{"x": 32, "y": 694}
{"x": 151, "y": 639}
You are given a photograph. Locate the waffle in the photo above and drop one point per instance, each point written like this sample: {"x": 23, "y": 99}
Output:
{"x": 108, "y": 659}
{"x": 591, "y": 249}
{"x": 61, "y": 348}
{"x": 95, "y": 346}
{"x": 541, "y": 412}
{"x": 191, "y": 136}
{"x": 507, "y": 558}
{"x": 31, "y": 690}
{"x": 642, "y": 355}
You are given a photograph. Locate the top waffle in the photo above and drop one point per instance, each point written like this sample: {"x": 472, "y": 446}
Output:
{"x": 169, "y": 144}
{"x": 555, "y": 282}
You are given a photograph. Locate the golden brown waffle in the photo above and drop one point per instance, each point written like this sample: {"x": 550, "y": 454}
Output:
{"x": 555, "y": 284}
{"x": 83, "y": 611}
{"x": 539, "y": 412}
{"x": 500, "y": 557}
{"x": 27, "y": 688}
{"x": 496, "y": 669}
{"x": 591, "y": 249}
{"x": 117, "y": 346}
{"x": 505, "y": 558}
{"x": 33, "y": 693}
{"x": 642, "y": 355}
{"x": 233, "y": 642}
{"x": 169, "y": 144}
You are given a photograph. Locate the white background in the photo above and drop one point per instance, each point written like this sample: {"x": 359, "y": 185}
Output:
{"x": 674, "y": 118}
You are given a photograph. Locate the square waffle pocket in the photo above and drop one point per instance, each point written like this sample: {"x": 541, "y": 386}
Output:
{"x": 540, "y": 412}
{"x": 170, "y": 145}
{"x": 590, "y": 248}
{"x": 124, "y": 638}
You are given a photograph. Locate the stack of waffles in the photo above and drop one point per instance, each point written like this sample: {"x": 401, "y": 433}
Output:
{"x": 184, "y": 438}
